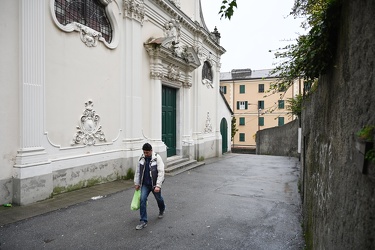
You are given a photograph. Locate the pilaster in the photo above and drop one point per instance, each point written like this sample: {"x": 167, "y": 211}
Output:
{"x": 32, "y": 75}
{"x": 133, "y": 47}
{"x": 32, "y": 177}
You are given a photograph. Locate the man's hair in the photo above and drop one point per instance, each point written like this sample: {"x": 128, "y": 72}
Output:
{"x": 147, "y": 147}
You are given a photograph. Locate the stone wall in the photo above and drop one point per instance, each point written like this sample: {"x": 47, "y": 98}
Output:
{"x": 338, "y": 199}
{"x": 282, "y": 141}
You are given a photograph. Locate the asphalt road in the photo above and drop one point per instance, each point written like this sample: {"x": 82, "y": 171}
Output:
{"x": 239, "y": 202}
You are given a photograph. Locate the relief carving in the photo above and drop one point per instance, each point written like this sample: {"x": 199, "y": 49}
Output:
{"x": 89, "y": 128}
{"x": 134, "y": 9}
{"x": 208, "y": 128}
{"x": 89, "y": 36}
{"x": 174, "y": 73}
{"x": 172, "y": 28}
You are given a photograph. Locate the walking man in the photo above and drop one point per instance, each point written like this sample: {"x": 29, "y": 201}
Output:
{"x": 149, "y": 177}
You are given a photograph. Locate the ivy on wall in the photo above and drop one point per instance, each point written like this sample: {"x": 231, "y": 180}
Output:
{"x": 314, "y": 53}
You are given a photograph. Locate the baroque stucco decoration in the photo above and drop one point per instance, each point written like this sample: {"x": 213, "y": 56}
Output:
{"x": 89, "y": 128}
{"x": 171, "y": 60}
{"x": 208, "y": 126}
{"x": 89, "y": 36}
{"x": 207, "y": 78}
{"x": 134, "y": 9}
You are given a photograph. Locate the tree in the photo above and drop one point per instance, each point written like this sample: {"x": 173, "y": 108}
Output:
{"x": 295, "y": 105}
{"x": 313, "y": 53}
{"x": 227, "y": 8}
{"x": 234, "y": 127}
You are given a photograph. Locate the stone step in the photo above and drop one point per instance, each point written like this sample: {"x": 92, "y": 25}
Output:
{"x": 178, "y": 165}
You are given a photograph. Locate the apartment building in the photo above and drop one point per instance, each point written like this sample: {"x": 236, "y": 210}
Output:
{"x": 254, "y": 106}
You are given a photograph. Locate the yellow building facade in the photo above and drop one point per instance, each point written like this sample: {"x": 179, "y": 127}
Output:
{"x": 254, "y": 106}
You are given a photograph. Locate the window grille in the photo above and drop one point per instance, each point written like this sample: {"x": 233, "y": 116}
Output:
{"x": 90, "y": 13}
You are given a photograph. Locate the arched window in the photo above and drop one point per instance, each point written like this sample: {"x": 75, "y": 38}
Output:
{"x": 207, "y": 71}
{"x": 90, "y": 13}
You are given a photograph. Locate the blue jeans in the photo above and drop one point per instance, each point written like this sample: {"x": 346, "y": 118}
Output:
{"x": 145, "y": 191}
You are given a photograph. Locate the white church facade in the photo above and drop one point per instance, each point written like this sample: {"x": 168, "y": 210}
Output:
{"x": 85, "y": 83}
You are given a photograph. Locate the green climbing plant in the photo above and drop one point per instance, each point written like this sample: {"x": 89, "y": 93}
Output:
{"x": 367, "y": 134}
{"x": 234, "y": 128}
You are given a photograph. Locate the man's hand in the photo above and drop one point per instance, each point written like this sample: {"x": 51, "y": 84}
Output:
{"x": 157, "y": 189}
{"x": 137, "y": 187}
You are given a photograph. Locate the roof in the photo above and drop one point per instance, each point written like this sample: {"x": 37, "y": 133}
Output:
{"x": 226, "y": 103}
{"x": 243, "y": 74}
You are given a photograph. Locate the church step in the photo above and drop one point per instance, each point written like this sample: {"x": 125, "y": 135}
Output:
{"x": 180, "y": 165}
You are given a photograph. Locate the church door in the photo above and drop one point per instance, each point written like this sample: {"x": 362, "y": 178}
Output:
{"x": 169, "y": 119}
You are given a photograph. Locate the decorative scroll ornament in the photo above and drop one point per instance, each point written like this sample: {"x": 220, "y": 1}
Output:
{"x": 174, "y": 73}
{"x": 89, "y": 36}
{"x": 208, "y": 128}
{"x": 89, "y": 129}
{"x": 207, "y": 78}
{"x": 199, "y": 51}
{"x": 134, "y": 9}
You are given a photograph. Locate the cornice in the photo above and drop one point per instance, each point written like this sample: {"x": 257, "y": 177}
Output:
{"x": 171, "y": 63}
{"x": 171, "y": 9}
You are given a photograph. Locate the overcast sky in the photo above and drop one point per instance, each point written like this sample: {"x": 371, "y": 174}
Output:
{"x": 256, "y": 27}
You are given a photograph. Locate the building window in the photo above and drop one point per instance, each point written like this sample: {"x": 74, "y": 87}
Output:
{"x": 90, "y": 13}
{"x": 207, "y": 71}
{"x": 223, "y": 89}
{"x": 242, "y": 120}
{"x": 261, "y": 121}
{"x": 242, "y": 136}
{"x": 281, "y": 104}
{"x": 242, "y": 89}
{"x": 260, "y": 104}
{"x": 242, "y": 105}
{"x": 281, "y": 121}
{"x": 261, "y": 88}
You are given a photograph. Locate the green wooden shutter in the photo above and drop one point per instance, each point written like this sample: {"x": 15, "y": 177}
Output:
{"x": 261, "y": 121}
{"x": 242, "y": 120}
{"x": 242, "y": 89}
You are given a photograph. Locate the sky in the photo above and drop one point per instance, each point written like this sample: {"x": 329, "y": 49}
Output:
{"x": 256, "y": 27}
